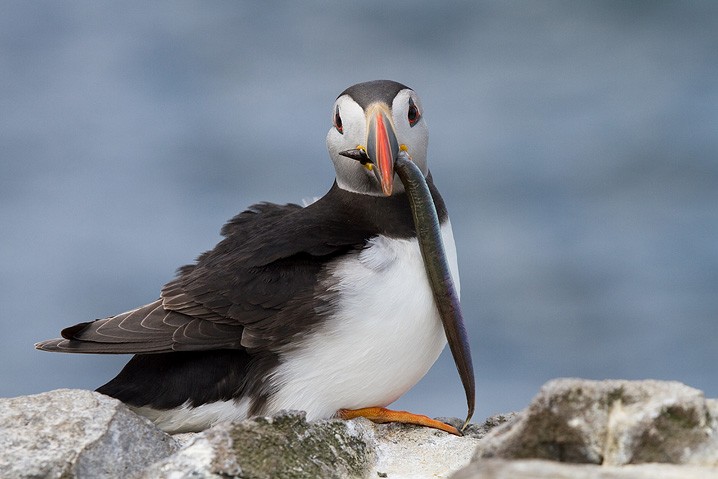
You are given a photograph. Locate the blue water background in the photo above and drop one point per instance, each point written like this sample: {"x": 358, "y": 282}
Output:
{"x": 575, "y": 143}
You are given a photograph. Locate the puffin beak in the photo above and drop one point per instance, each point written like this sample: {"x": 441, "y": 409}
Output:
{"x": 382, "y": 146}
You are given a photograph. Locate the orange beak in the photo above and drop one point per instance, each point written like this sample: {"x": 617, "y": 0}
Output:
{"x": 382, "y": 147}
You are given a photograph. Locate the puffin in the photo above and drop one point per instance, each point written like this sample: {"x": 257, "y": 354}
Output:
{"x": 330, "y": 308}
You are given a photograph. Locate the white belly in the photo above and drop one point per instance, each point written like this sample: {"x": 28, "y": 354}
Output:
{"x": 384, "y": 338}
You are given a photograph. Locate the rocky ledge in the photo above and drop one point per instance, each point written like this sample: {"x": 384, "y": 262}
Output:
{"x": 572, "y": 429}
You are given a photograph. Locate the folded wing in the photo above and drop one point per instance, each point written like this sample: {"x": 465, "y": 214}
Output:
{"x": 254, "y": 290}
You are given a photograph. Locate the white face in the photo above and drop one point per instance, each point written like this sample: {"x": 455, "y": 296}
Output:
{"x": 350, "y": 129}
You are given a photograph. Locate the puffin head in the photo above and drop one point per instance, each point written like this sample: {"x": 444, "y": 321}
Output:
{"x": 372, "y": 122}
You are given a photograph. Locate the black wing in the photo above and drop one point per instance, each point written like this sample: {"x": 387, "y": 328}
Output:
{"x": 255, "y": 288}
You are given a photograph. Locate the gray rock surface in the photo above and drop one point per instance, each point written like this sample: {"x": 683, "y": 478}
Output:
{"x": 72, "y": 433}
{"x": 607, "y": 429}
{"x": 408, "y": 452}
{"x": 209, "y": 454}
{"x": 610, "y": 423}
{"x": 287, "y": 446}
{"x": 541, "y": 469}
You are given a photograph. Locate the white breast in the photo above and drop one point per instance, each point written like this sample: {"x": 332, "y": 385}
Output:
{"x": 384, "y": 336}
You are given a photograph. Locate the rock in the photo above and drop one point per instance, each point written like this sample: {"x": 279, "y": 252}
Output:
{"x": 288, "y": 446}
{"x": 478, "y": 431}
{"x": 72, "y": 433}
{"x": 541, "y": 469}
{"x": 209, "y": 454}
{"x": 285, "y": 445}
{"x": 608, "y": 429}
{"x": 417, "y": 452}
{"x": 610, "y": 423}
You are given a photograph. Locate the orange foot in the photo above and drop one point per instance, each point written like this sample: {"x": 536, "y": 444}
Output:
{"x": 382, "y": 415}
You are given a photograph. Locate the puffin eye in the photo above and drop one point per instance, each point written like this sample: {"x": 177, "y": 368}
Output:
{"x": 413, "y": 116}
{"x": 338, "y": 122}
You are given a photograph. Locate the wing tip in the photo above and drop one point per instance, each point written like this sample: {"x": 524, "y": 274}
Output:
{"x": 52, "y": 345}
{"x": 61, "y": 345}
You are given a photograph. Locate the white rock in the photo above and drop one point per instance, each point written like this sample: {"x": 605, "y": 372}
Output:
{"x": 74, "y": 433}
{"x": 540, "y": 469}
{"x": 610, "y": 423}
{"x": 409, "y": 452}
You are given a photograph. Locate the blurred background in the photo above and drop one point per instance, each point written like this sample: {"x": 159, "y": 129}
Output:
{"x": 575, "y": 143}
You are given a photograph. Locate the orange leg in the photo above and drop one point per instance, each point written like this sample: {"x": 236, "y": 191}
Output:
{"x": 382, "y": 415}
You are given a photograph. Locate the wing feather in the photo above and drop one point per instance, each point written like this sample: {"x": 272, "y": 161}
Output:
{"x": 237, "y": 296}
